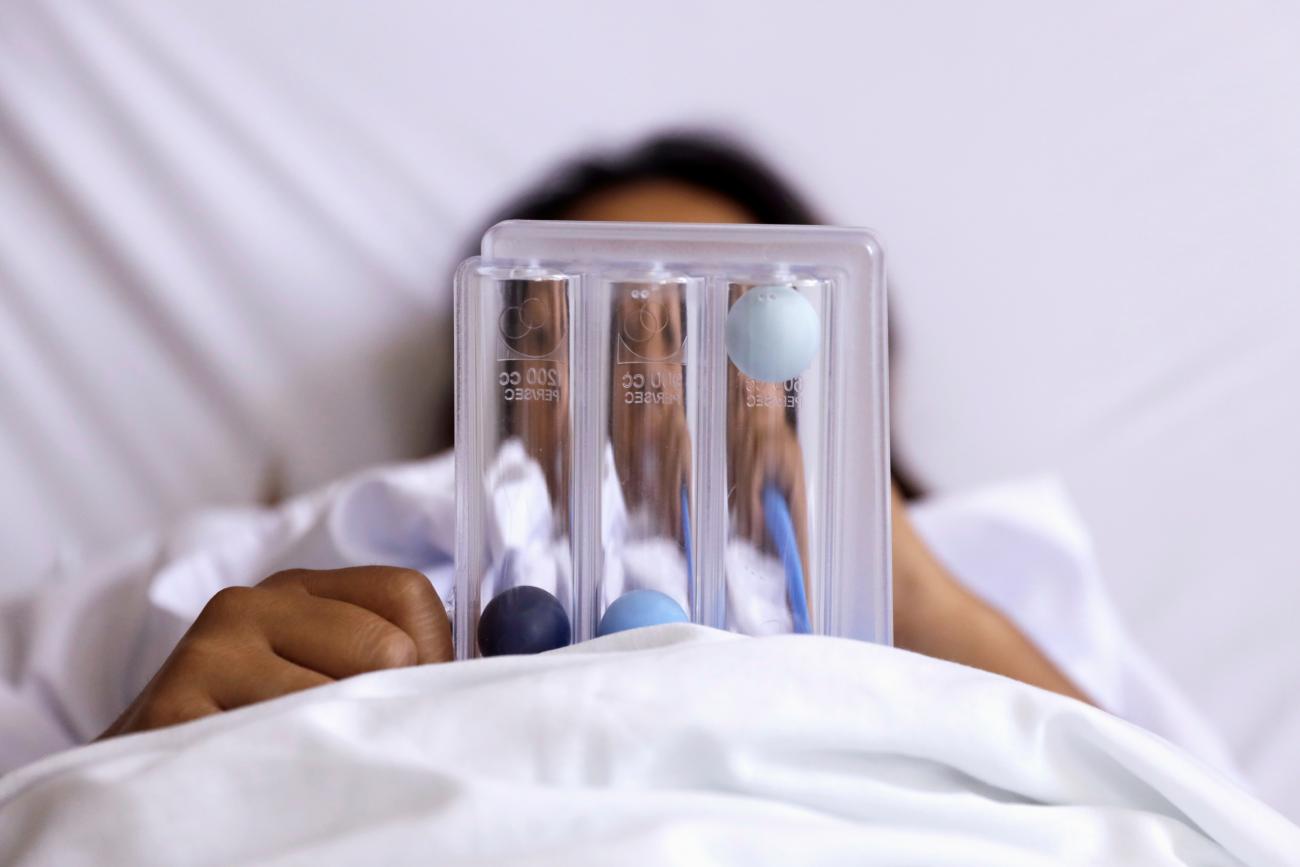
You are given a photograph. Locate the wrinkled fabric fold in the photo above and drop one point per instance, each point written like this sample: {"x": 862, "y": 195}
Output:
{"x": 670, "y": 745}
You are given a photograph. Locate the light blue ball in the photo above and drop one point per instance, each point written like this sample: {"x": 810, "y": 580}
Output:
{"x": 773, "y": 333}
{"x": 640, "y": 608}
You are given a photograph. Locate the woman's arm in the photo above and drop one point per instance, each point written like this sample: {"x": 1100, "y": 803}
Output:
{"x": 937, "y": 616}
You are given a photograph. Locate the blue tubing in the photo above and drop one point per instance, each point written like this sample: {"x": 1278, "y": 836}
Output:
{"x": 686, "y": 538}
{"x": 780, "y": 526}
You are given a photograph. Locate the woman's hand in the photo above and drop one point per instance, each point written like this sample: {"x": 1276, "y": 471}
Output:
{"x": 297, "y": 629}
{"x": 935, "y": 615}
{"x": 303, "y": 628}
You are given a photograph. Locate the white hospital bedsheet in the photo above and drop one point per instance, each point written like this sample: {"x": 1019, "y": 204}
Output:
{"x": 677, "y": 745}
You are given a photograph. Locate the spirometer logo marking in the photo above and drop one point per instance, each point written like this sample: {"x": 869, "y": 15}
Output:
{"x": 530, "y": 330}
{"x": 644, "y": 333}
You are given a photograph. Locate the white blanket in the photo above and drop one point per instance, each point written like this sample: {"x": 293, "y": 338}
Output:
{"x": 695, "y": 747}
{"x": 80, "y": 647}
{"x": 676, "y": 745}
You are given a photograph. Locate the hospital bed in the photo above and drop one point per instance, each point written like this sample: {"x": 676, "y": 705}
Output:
{"x": 226, "y": 233}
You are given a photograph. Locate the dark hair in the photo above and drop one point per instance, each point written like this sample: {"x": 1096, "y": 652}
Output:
{"x": 701, "y": 159}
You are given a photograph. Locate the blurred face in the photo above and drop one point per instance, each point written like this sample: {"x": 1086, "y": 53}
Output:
{"x": 650, "y": 440}
{"x": 653, "y": 201}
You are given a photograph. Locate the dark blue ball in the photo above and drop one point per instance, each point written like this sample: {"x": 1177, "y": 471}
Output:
{"x": 523, "y": 619}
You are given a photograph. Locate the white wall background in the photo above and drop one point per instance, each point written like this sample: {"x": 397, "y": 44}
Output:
{"x": 225, "y": 229}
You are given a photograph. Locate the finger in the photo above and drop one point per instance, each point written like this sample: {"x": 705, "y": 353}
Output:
{"x": 169, "y": 710}
{"x": 261, "y": 678}
{"x": 403, "y": 597}
{"x": 337, "y": 639}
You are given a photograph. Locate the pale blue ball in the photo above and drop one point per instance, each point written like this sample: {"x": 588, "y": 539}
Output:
{"x": 640, "y": 608}
{"x": 773, "y": 333}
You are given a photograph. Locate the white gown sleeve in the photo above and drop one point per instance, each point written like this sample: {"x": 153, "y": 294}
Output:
{"x": 75, "y": 651}
{"x": 67, "y": 651}
{"x": 1022, "y": 547}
